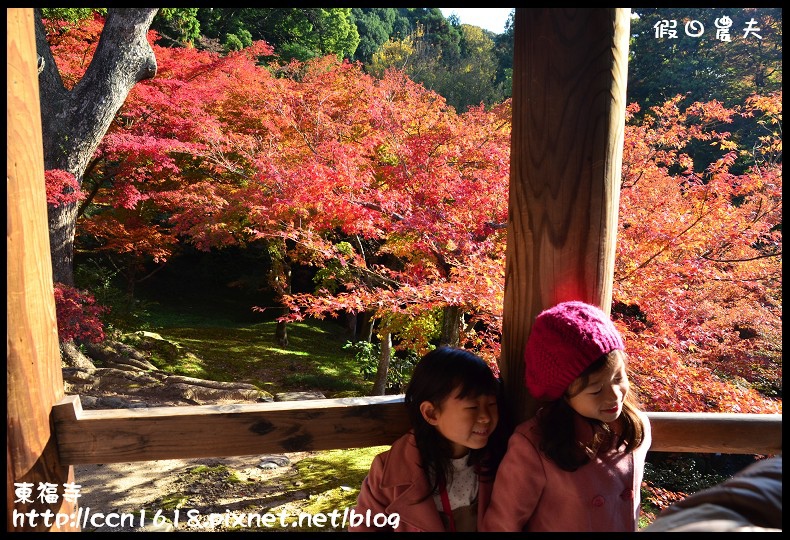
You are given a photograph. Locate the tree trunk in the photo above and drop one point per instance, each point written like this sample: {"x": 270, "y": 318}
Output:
{"x": 281, "y": 334}
{"x": 71, "y": 356}
{"x": 367, "y": 324}
{"x": 451, "y": 326}
{"x": 280, "y": 281}
{"x": 350, "y": 320}
{"x": 380, "y": 386}
{"x": 73, "y": 122}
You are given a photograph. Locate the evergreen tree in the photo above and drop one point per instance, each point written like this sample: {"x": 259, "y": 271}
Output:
{"x": 708, "y": 66}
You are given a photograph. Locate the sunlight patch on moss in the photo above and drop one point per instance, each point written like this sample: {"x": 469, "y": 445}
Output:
{"x": 203, "y": 469}
{"x": 311, "y": 328}
{"x": 287, "y": 352}
{"x": 335, "y": 477}
{"x": 332, "y": 480}
{"x": 174, "y": 500}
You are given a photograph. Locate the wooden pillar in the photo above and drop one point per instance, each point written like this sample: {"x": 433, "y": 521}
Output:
{"x": 35, "y": 381}
{"x": 569, "y": 84}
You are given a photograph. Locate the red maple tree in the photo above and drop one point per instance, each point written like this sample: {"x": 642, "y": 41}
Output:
{"x": 698, "y": 263}
{"x": 399, "y": 203}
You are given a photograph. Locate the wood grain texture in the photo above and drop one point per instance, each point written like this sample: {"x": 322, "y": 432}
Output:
{"x": 123, "y": 435}
{"x": 34, "y": 381}
{"x": 569, "y": 81}
{"x": 725, "y": 433}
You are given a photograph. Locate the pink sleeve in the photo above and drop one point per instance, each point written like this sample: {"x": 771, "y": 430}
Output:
{"x": 517, "y": 488}
{"x": 371, "y": 497}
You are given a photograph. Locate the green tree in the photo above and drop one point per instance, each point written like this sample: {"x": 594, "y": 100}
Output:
{"x": 71, "y": 15}
{"x": 437, "y": 32}
{"x": 472, "y": 80}
{"x": 416, "y": 55}
{"x": 467, "y": 81}
{"x": 503, "y": 48}
{"x": 299, "y": 33}
{"x": 177, "y": 26}
{"x": 374, "y": 26}
{"x": 704, "y": 67}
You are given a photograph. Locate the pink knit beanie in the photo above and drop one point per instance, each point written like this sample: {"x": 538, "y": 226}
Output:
{"x": 564, "y": 341}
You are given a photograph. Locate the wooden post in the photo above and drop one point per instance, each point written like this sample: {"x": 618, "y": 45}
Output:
{"x": 35, "y": 381}
{"x": 569, "y": 83}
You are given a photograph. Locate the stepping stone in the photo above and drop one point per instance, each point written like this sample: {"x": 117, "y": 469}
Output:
{"x": 274, "y": 462}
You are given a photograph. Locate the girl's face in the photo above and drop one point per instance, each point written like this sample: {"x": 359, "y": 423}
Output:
{"x": 465, "y": 422}
{"x": 602, "y": 397}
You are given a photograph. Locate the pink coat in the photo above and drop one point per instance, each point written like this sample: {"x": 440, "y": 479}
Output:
{"x": 532, "y": 494}
{"x": 394, "y": 485}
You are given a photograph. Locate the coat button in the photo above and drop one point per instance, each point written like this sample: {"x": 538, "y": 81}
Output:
{"x": 597, "y": 501}
{"x": 627, "y": 495}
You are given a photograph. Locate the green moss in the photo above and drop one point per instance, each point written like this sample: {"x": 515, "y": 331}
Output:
{"x": 247, "y": 352}
{"x": 203, "y": 345}
{"x": 204, "y": 469}
{"x": 173, "y": 501}
{"x": 331, "y": 482}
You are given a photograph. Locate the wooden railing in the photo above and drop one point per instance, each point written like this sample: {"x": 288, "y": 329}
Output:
{"x": 123, "y": 435}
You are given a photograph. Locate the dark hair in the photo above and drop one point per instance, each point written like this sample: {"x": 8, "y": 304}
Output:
{"x": 434, "y": 379}
{"x": 556, "y": 423}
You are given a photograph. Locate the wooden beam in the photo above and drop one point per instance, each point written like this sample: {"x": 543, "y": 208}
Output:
{"x": 569, "y": 83}
{"x": 124, "y": 435}
{"x": 121, "y": 435}
{"x": 725, "y": 433}
{"x": 34, "y": 381}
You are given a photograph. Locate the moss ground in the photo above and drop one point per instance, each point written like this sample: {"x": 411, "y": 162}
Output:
{"x": 214, "y": 346}
{"x": 203, "y": 341}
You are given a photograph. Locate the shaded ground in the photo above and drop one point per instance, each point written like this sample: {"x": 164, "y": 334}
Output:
{"x": 210, "y": 332}
{"x": 221, "y": 494}
{"x": 212, "y": 494}
{"x": 230, "y": 488}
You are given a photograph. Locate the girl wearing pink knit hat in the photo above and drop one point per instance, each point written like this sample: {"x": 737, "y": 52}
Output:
{"x": 577, "y": 465}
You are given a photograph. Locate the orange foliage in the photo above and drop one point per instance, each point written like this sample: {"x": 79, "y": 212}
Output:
{"x": 698, "y": 269}
{"x": 400, "y": 202}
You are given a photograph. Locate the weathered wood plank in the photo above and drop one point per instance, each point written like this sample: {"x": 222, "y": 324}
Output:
{"x": 122, "y": 435}
{"x": 33, "y": 359}
{"x": 726, "y": 433}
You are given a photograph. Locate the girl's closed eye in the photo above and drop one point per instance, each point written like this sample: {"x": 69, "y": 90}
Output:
{"x": 587, "y": 431}
{"x": 446, "y": 452}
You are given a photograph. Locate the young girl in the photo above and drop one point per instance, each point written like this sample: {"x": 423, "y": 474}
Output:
{"x": 438, "y": 476}
{"x": 578, "y": 464}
